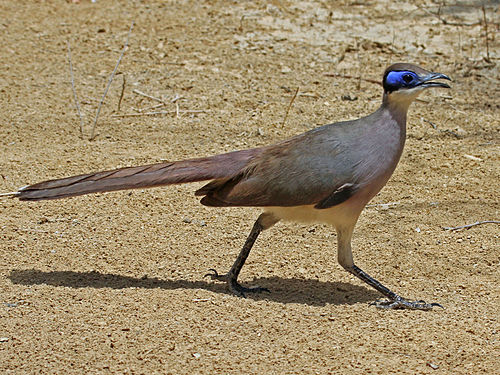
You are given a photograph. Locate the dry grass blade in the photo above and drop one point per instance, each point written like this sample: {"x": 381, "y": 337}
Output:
{"x": 124, "y": 82}
{"x": 445, "y": 21}
{"x": 467, "y": 226}
{"x": 157, "y": 113}
{"x": 289, "y": 106}
{"x": 486, "y": 35}
{"x": 92, "y": 134}
{"x": 138, "y": 92}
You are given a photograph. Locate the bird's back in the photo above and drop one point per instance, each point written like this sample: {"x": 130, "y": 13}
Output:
{"x": 309, "y": 167}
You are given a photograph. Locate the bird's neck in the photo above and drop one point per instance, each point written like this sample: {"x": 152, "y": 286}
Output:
{"x": 392, "y": 114}
{"x": 397, "y": 106}
{"x": 399, "y": 102}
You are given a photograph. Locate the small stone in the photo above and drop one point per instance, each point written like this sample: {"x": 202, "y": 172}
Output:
{"x": 186, "y": 219}
{"x": 4, "y": 339}
{"x": 432, "y": 366}
{"x": 349, "y": 98}
{"x": 196, "y": 355}
{"x": 43, "y": 220}
{"x": 460, "y": 131}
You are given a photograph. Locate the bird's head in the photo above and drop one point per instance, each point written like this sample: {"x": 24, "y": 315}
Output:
{"x": 404, "y": 82}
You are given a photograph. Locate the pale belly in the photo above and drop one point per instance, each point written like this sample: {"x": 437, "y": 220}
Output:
{"x": 309, "y": 214}
{"x": 345, "y": 214}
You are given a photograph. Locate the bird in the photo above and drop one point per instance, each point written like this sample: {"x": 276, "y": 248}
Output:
{"x": 325, "y": 175}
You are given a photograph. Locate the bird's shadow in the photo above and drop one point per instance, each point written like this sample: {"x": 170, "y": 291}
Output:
{"x": 283, "y": 290}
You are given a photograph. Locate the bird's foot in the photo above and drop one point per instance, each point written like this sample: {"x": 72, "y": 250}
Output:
{"x": 233, "y": 285}
{"x": 403, "y": 304}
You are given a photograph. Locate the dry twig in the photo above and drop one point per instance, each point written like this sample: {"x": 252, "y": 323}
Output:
{"x": 176, "y": 98}
{"x": 486, "y": 35}
{"x": 176, "y": 102}
{"x": 383, "y": 205}
{"x": 121, "y": 94}
{"x": 161, "y": 102}
{"x": 155, "y": 113}
{"x": 447, "y": 131}
{"x": 92, "y": 134}
{"x": 289, "y": 106}
{"x": 138, "y": 92}
{"x": 472, "y": 225}
{"x": 445, "y": 21}
{"x": 77, "y": 103}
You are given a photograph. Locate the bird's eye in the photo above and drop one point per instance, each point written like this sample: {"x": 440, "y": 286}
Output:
{"x": 407, "y": 78}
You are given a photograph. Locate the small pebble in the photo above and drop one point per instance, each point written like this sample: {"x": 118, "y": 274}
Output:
{"x": 432, "y": 366}
{"x": 349, "y": 98}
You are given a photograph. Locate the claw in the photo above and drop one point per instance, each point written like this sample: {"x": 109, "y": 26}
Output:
{"x": 233, "y": 285}
{"x": 435, "y": 304}
{"x": 212, "y": 275}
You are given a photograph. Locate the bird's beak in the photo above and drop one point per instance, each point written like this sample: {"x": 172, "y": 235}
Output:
{"x": 428, "y": 80}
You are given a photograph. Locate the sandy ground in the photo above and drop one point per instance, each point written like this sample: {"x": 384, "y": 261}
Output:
{"x": 114, "y": 283}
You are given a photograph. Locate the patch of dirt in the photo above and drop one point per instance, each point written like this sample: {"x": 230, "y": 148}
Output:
{"x": 113, "y": 283}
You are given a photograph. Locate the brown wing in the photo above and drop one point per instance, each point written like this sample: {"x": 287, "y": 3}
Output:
{"x": 301, "y": 171}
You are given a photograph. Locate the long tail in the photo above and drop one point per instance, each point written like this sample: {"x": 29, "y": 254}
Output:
{"x": 214, "y": 167}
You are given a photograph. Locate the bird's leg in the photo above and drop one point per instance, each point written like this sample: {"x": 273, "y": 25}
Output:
{"x": 394, "y": 301}
{"x": 265, "y": 221}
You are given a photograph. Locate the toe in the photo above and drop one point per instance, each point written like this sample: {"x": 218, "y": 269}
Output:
{"x": 241, "y": 291}
{"x": 402, "y": 304}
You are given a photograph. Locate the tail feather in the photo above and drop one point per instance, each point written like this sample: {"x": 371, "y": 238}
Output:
{"x": 191, "y": 170}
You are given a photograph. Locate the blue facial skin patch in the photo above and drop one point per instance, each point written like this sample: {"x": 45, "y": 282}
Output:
{"x": 402, "y": 78}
